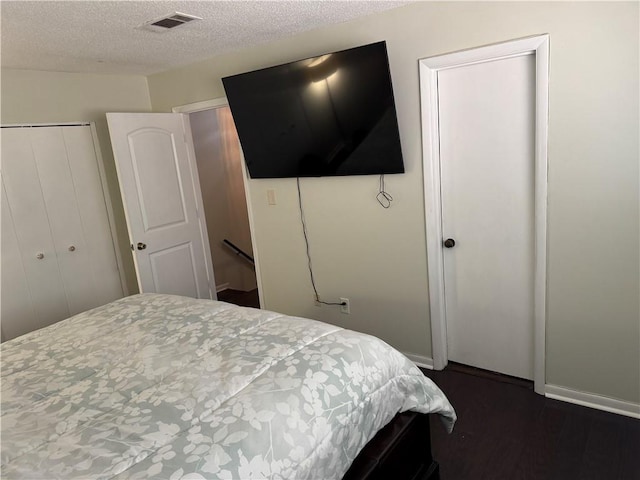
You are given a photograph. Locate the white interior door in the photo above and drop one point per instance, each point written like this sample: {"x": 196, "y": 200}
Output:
{"x": 58, "y": 256}
{"x": 161, "y": 194}
{"x": 487, "y": 133}
{"x": 52, "y": 152}
{"x": 27, "y": 242}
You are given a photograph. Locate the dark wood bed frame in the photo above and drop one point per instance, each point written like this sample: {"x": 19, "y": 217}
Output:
{"x": 400, "y": 451}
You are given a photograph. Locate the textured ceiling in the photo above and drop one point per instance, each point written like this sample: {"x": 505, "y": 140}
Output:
{"x": 103, "y": 36}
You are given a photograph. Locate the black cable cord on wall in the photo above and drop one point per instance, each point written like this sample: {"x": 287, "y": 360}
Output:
{"x": 384, "y": 198}
{"x": 306, "y": 242}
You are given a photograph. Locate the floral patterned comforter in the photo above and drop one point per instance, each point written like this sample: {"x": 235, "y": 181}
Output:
{"x": 160, "y": 386}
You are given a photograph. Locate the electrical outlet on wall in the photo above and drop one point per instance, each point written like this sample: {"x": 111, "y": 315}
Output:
{"x": 346, "y": 307}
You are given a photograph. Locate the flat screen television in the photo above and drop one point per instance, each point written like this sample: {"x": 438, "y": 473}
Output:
{"x": 333, "y": 114}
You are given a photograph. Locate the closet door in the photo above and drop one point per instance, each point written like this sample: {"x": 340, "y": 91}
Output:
{"x": 18, "y": 310}
{"x": 92, "y": 211}
{"x": 58, "y": 191}
{"x": 26, "y": 229}
{"x": 56, "y": 221}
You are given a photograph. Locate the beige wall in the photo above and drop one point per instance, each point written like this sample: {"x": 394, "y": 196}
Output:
{"x": 30, "y": 96}
{"x": 377, "y": 258}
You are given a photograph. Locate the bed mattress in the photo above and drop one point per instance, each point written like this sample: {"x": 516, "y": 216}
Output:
{"x": 161, "y": 386}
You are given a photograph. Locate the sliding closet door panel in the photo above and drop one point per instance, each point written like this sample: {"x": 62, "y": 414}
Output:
{"x": 29, "y": 215}
{"x": 17, "y": 311}
{"x": 93, "y": 214}
{"x": 50, "y": 155}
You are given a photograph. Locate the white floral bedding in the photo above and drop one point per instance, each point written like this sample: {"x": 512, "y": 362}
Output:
{"x": 159, "y": 386}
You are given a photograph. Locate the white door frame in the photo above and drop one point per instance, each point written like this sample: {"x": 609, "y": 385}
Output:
{"x": 223, "y": 102}
{"x": 429, "y": 68}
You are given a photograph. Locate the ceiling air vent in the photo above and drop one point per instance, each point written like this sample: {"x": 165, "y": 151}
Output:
{"x": 168, "y": 22}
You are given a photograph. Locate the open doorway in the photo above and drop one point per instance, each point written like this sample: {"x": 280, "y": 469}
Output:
{"x": 220, "y": 170}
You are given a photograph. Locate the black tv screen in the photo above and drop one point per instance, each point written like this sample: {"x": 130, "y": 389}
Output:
{"x": 332, "y": 114}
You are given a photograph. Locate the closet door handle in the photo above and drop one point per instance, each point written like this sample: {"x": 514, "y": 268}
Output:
{"x": 72, "y": 248}
{"x": 40, "y": 256}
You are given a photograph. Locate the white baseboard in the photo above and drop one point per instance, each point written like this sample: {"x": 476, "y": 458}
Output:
{"x": 222, "y": 287}
{"x": 420, "y": 360}
{"x": 592, "y": 400}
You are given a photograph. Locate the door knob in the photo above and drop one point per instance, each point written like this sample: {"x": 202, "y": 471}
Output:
{"x": 449, "y": 243}
{"x": 142, "y": 246}
{"x": 40, "y": 256}
{"x": 72, "y": 248}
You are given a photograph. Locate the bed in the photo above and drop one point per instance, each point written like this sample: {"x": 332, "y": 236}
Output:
{"x": 162, "y": 386}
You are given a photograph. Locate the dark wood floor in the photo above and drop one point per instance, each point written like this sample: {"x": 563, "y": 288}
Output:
{"x": 506, "y": 431}
{"x": 238, "y": 297}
